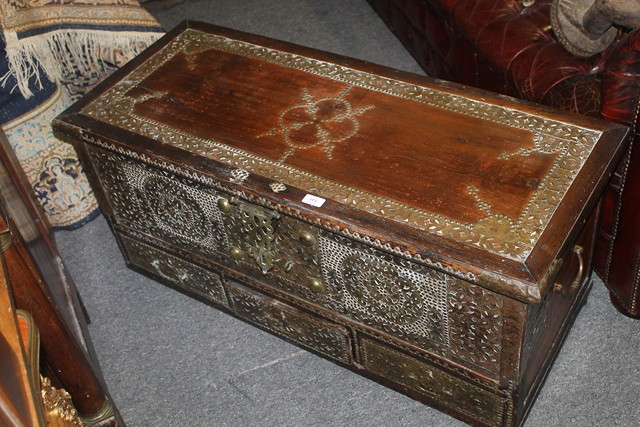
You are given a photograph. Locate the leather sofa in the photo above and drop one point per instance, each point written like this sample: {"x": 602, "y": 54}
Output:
{"x": 508, "y": 46}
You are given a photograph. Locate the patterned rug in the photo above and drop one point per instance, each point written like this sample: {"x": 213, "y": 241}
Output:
{"x": 53, "y": 52}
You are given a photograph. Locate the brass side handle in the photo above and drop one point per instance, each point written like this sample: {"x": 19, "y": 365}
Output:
{"x": 559, "y": 287}
{"x": 578, "y": 250}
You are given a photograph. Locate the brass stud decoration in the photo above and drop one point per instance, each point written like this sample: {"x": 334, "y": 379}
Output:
{"x": 236, "y": 253}
{"x": 307, "y": 238}
{"x": 316, "y": 285}
{"x": 224, "y": 205}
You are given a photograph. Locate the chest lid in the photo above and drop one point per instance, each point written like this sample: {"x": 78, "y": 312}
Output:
{"x": 481, "y": 185}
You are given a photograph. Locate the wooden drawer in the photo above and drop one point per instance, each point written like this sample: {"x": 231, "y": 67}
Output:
{"x": 319, "y": 335}
{"x": 406, "y": 372}
{"x": 173, "y": 269}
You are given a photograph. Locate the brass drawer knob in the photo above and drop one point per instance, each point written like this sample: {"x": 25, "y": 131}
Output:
{"x": 236, "y": 253}
{"x": 224, "y": 205}
{"x": 307, "y": 238}
{"x": 316, "y": 285}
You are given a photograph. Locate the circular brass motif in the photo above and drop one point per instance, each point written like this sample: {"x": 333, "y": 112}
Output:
{"x": 318, "y": 122}
{"x": 381, "y": 291}
{"x": 176, "y": 209}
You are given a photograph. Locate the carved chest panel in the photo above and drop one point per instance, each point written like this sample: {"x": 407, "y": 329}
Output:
{"x": 405, "y": 229}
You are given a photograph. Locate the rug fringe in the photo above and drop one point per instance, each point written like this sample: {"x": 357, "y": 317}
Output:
{"x": 64, "y": 52}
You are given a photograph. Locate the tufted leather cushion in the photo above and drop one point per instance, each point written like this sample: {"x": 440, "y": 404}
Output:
{"x": 505, "y": 47}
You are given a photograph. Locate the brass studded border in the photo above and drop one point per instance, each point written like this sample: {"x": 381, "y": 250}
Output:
{"x": 515, "y": 240}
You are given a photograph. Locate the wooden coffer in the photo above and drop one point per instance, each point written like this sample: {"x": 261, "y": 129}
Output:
{"x": 432, "y": 237}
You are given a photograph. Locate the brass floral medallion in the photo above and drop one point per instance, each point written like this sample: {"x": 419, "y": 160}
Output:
{"x": 318, "y": 122}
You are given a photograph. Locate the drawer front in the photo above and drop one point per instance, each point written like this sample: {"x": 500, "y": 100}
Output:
{"x": 179, "y": 272}
{"x": 434, "y": 383}
{"x": 444, "y": 315}
{"x": 303, "y": 329}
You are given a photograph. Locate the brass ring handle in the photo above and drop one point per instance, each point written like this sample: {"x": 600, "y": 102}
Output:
{"x": 578, "y": 250}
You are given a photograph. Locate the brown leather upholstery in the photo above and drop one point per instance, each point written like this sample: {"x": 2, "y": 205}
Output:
{"x": 505, "y": 47}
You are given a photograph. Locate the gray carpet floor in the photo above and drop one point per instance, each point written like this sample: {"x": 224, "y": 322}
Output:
{"x": 170, "y": 360}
